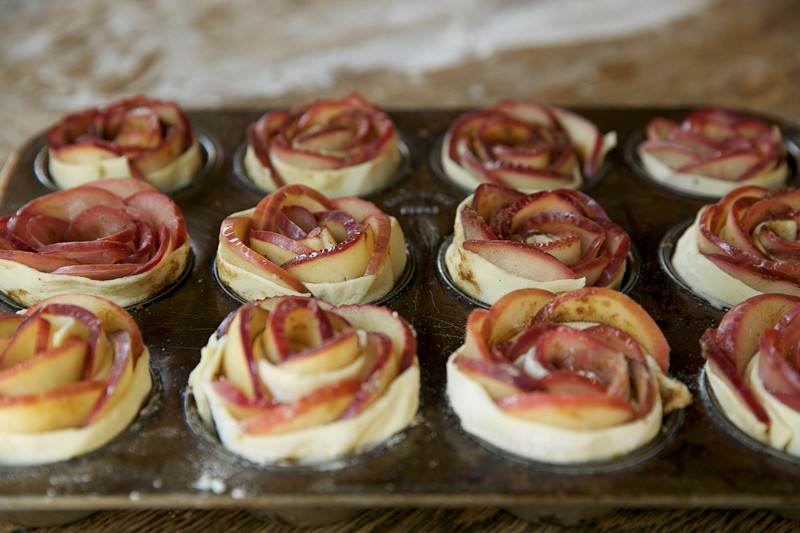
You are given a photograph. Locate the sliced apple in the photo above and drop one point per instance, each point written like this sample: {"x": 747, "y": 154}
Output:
{"x": 89, "y": 252}
{"x": 237, "y": 404}
{"x": 569, "y": 411}
{"x": 331, "y": 354}
{"x": 123, "y": 187}
{"x": 322, "y": 406}
{"x": 45, "y": 371}
{"x": 119, "y": 379}
{"x": 490, "y": 197}
{"x": 541, "y": 202}
{"x": 674, "y": 155}
{"x": 295, "y": 325}
{"x": 275, "y": 247}
{"x": 239, "y": 360}
{"x": 498, "y": 379}
{"x": 513, "y": 313}
{"x": 606, "y": 306}
{"x": 741, "y": 327}
{"x": 32, "y": 336}
{"x": 585, "y": 137}
{"x": 521, "y": 260}
{"x": 373, "y": 318}
{"x": 661, "y": 128}
{"x": 42, "y": 230}
{"x": 265, "y": 213}
{"x": 348, "y": 260}
{"x": 728, "y": 167}
{"x": 66, "y": 407}
{"x": 233, "y": 234}
{"x": 381, "y": 367}
{"x": 356, "y": 207}
{"x": 159, "y": 210}
{"x": 100, "y": 222}
{"x": 761, "y": 279}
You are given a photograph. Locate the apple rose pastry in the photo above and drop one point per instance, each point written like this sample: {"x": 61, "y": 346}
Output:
{"x": 524, "y": 145}
{"x": 714, "y": 151}
{"x": 565, "y": 378}
{"x": 344, "y": 147}
{"x": 298, "y": 242}
{"x": 293, "y": 378}
{"x": 746, "y": 244}
{"x": 134, "y": 138}
{"x": 753, "y": 369}
{"x": 74, "y": 373}
{"x": 117, "y": 238}
{"x": 558, "y": 240}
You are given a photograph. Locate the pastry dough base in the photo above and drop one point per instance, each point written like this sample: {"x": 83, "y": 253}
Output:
{"x": 169, "y": 178}
{"x": 26, "y": 285}
{"x": 388, "y": 415}
{"x": 480, "y": 416}
{"x": 697, "y": 184}
{"x": 703, "y": 276}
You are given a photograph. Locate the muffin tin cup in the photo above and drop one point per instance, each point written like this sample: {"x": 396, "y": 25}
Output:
{"x": 629, "y": 279}
{"x": 634, "y": 162}
{"x": 401, "y": 172}
{"x": 170, "y": 462}
{"x": 209, "y": 147}
{"x": 435, "y": 163}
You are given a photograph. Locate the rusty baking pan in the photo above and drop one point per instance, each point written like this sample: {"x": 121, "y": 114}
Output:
{"x": 163, "y": 463}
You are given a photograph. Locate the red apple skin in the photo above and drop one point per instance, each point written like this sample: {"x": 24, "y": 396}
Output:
{"x": 499, "y": 380}
{"x": 231, "y": 233}
{"x": 378, "y": 378}
{"x": 741, "y": 327}
{"x": 606, "y": 306}
{"x": 569, "y": 411}
{"x": 267, "y": 209}
{"x": 323, "y": 405}
{"x": 514, "y": 312}
{"x": 727, "y": 371}
{"x": 490, "y": 198}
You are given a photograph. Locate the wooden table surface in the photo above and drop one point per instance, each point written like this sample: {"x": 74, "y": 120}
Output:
{"x": 733, "y": 52}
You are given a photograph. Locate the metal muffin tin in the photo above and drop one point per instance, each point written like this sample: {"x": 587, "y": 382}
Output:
{"x": 164, "y": 463}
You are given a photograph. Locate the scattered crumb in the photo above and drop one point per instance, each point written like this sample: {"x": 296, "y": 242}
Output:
{"x": 134, "y": 496}
{"x": 208, "y": 483}
{"x": 238, "y": 493}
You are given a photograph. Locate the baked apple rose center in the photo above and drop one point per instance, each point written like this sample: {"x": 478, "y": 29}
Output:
{"x": 298, "y": 242}
{"x": 753, "y": 367}
{"x": 138, "y": 138}
{"x": 292, "y": 378}
{"x": 339, "y": 147}
{"x": 563, "y": 378}
{"x": 713, "y": 151}
{"x": 557, "y": 240}
{"x": 118, "y": 238}
{"x": 744, "y": 245}
{"x": 73, "y": 373}
{"x": 524, "y": 145}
